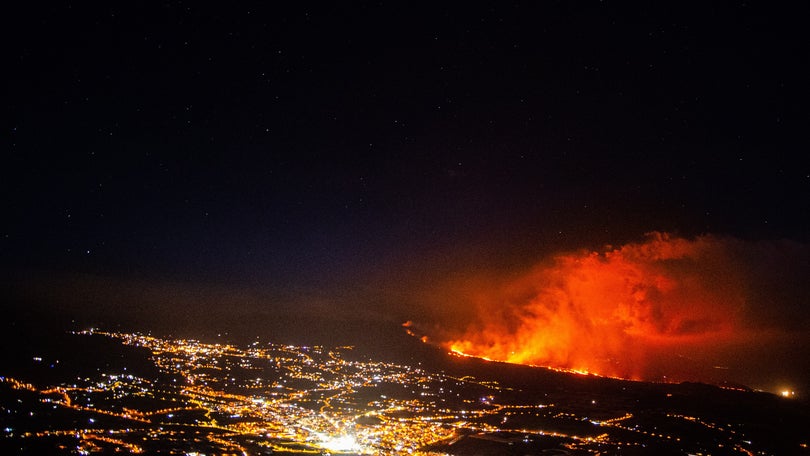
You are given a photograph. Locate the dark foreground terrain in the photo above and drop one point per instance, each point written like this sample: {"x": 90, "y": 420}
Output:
{"x": 68, "y": 389}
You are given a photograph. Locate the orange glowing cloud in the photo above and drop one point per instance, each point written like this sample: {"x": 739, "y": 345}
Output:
{"x": 616, "y": 312}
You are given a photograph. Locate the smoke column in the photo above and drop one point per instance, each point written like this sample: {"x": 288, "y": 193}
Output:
{"x": 664, "y": 308}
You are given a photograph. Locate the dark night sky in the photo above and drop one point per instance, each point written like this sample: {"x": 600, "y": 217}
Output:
{"x": 307, "y": 147}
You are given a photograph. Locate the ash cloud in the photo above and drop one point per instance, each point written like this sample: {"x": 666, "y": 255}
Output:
{"x": 666, "y": 306}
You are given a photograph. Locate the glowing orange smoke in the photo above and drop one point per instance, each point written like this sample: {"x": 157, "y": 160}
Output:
{"x": 620, "y": 312}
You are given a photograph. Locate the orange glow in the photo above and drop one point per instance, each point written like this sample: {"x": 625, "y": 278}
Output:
{"x": 618, "y": 313}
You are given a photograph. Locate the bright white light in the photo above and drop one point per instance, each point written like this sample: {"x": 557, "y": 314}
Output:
{"x": 340, "y": 443}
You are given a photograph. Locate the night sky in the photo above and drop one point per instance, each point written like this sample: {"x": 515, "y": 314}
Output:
{"x": 221, "y": 156}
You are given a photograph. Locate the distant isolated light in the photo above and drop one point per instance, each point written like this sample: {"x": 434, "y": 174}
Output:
{"x": 788, "y": 393}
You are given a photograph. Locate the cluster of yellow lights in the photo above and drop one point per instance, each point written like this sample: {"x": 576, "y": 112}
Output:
{"x": 314, "y": 400}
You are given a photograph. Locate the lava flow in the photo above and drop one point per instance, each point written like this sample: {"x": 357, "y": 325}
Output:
{"x": 632, "y": 312}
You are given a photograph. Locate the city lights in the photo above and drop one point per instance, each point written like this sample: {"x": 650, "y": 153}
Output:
{"x": 214, "y": 398}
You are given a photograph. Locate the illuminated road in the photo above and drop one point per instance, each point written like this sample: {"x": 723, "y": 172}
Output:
{"x": 221, "y": 398}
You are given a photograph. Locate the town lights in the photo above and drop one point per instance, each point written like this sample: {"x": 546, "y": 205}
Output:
{"x": 340, "y": 443}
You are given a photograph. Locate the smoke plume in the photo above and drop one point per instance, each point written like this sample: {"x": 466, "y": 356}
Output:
{"x": 666, "y": 307}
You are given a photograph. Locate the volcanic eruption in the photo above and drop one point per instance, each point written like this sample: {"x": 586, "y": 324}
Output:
{"x": 665, "y": 306}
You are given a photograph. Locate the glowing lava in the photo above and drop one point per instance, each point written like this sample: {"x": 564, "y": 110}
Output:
{"x": 624, "y": 312}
